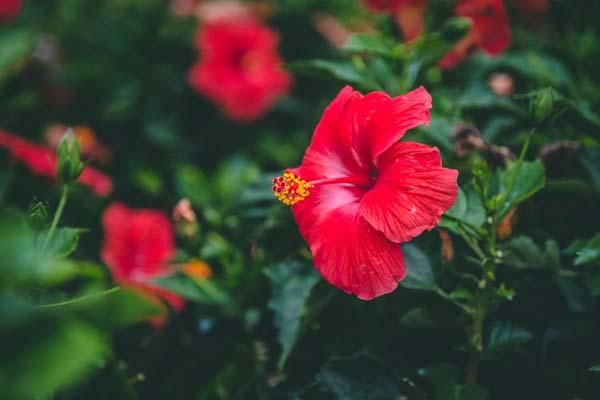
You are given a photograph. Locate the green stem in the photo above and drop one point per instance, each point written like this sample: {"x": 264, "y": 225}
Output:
{"x": 476, "y": 341}
{"x": 57, "y": 215}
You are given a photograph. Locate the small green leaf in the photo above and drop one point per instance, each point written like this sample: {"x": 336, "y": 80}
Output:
{"x": 589, "y": 253}
{"x": 529, "y": 178}
{"x": 343, "y": 71}
{"x": 369, "y": 44}
{"x": 291, "y": 285}
{"x": 63, "y": 243}
{"x": 15, "y": 46}
{"x": 202, "y": 291}
{"x": 505, "y": 336}
{"x": 419, "y": 274}
{"x": 468, "y": 208}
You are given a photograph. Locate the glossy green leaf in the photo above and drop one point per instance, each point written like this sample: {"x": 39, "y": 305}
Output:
{"x": 419, "y": 274}
{"x": 291, "y": 285}
{"x": 468, "y": 209}
{"x": 504, "y": 337}
{"x": 528, "y": 178}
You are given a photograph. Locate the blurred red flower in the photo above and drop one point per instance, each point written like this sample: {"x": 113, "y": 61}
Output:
{"x": 490, "y": 30}
{"x": 137, "y": 248}
{"x": 41, "y": 160}
{"x": 239, "y": 68}
{"x": 9, "y": 9}
{"x": 409, "y": 14}
{"x": 359, "y": 192}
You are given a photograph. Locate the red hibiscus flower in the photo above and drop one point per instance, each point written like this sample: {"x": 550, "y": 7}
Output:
{"x": 41, "y": 160}
{"x": 490, "y": 31}
{"x": 138, "y": 245}
{"x": 359, "y": 192}
{"x": 240, "y": 68}
{"x": 409, "y": 14}
{"x": 9, "y": 9}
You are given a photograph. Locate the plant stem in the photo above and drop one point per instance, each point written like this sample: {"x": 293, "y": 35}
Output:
{"x": 57, "y": 215}
{"x": 476, "y": 339}
{"x": 78, "y": 299}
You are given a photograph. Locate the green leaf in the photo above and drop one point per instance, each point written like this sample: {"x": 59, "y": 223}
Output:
{"x": 291, "y": 285}
{"x": 51, "y": 355}
{"x": 523, "y": 253}
{"x": 202, "y": 291}
{"x": 468, "y": 209}
{"x": 21, "y": 265}
{"x": 359, "y": 378}
{"x": 589, "y": 253}
{"x": 343, "y": 71}
{"x": 15, "y": 47}
{"x": 234, "y": 175}
{"x": 63, "y": 243}
{"x": 419, "y": 274}
{"x": 528, "y": 179}
{"x": 504, "y": 337}
{"x": 190, "y": 182}
{"x": 110, "y": 309}
{"x": 370, "y": 44}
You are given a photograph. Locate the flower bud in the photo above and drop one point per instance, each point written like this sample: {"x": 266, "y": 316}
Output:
{"x": 38, "y": 215}
{"x": 456, "y": 28}
{"x": 542, "y": 105}
{"x": 69, "y": 163}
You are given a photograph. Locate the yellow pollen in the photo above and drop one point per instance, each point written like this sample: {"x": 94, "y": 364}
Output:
{"x": 290, "y": 188}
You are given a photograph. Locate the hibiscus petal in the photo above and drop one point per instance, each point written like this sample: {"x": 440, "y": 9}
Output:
{"x": 347, "y": 251}
{"x": 380, "y": 121}
{"x": 411, "y": 193}
{"x": 329, "y": 154}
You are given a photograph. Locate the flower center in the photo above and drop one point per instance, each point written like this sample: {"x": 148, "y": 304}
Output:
{"x": 290, "y": 188}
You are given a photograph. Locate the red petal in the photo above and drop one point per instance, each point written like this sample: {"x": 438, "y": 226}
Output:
{"x": 381, "y": 120}
{"x": 98, "y": 182}
{"x": 412, "y": 192}
{"x": 347, "y": 251}
{"x": 410, "y": 17}
{"x": 137, "y": 243}
{"x": 329, "y": 154}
